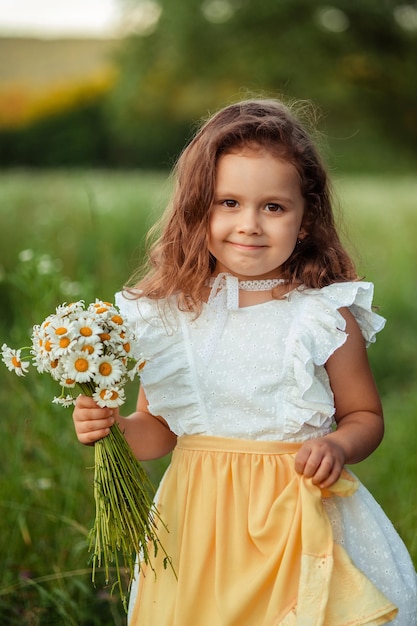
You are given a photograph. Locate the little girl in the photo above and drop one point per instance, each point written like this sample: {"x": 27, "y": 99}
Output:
{"x": 255, "y": 325}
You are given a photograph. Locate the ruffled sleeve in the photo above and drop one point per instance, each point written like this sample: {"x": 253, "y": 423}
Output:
{"x": 166, "y": 376}
{"x": 330, "y": 325}
{"x": 318, "y": 330}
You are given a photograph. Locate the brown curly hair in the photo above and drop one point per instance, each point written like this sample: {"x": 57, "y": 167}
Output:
{"x": 179, "y": 261}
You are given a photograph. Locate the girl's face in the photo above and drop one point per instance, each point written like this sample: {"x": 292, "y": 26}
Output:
{"x": 256, "y": 214}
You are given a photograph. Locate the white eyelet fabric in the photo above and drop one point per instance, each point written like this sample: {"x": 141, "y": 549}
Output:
{"x": 261, "y": 375}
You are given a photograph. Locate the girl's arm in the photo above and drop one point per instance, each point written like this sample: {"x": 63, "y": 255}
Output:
{"x": 147, "y": 435}
{"x": 360, "y": 425}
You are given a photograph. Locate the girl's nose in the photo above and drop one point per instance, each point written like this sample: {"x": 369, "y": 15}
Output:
{"x": 249, "y": 222}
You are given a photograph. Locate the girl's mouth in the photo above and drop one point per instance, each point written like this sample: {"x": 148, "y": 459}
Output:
{"x": 243, "y": 246}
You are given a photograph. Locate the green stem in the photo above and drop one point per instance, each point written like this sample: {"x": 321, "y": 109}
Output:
{"x": 126, "y": 518}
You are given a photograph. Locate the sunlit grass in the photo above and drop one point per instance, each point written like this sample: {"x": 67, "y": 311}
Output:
{"x": 85, "y": 233}
{"x": 94, "y": 222}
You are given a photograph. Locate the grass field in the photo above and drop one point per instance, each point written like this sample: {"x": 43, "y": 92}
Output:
{"x": 71, "y": 235}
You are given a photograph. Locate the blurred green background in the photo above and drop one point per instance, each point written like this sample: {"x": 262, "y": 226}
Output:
{"x": 131, "y": 102}
{"x": 88, "y": 131}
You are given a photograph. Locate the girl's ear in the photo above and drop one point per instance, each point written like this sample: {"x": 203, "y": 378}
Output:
{"x": 302, "y": 234}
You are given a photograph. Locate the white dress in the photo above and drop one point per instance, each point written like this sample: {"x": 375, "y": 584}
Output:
{"x": 258, "y": 373}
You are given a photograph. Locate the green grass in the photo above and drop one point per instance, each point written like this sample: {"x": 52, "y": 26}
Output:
{"x": 85, "y": 231}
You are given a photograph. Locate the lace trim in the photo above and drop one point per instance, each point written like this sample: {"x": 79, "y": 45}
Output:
{"x": 227, "y": 280}
{"x": 261, "y": 285}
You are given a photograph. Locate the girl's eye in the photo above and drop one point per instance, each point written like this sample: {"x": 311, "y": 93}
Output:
{"x": 273, "y": 207}
{"x": 229, "y": 204}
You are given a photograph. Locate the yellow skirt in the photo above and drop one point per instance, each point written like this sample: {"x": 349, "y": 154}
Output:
{"x": 251, "y": 545}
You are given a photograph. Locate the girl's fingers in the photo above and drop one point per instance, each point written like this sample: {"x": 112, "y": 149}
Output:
{"x": 91, "y": 421}
{"x": 322, "y": 471}
{"x": 85, "y": 402}
{"x": 93, "y": 430}
{"x": 87, "y": 409}
{"x": 331, "y": 479}
{"x": 320, "y": 464}
{"x": 93, "y": 415}
{"x": 92, "y": 436}
{"x": 92, "y": 425}
{"x": 308, "y": 461}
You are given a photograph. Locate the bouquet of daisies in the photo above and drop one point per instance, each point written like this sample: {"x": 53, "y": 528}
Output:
{"x": 93, "y": 350}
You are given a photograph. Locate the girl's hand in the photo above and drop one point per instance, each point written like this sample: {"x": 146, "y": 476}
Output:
{"x": 322, "y": 460}
{"x": 92, "y": 422}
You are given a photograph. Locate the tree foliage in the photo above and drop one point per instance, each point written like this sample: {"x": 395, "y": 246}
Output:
{"x": 356, "y": 59}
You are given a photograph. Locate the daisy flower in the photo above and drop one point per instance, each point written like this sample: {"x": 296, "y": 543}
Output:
{"x": 61, "y": 337}
{"x": 135, "y": 370}
{"x": 116, "y": 320}
{"x": 41, "y": 347}
{"x": 117, "y": 339}
{"x": 112, "y": 397}
{"x": 109, "y": 371}
{"x": 62, "y": 345}
{"x": 60, "y": 326}
{"x": 93, "y": 349}
{"x": 72, "y": 307}
{"x": 67, "y": 382}
{"x": 87, "y": 329}
{"x": 126, "y": 344}
{"x": 11, "y": 359}
{"x": 56, "y": 368}
{"x": 65, "y": 401}
{"x": 101, "y": 308}
{"x": 80, "y": 366}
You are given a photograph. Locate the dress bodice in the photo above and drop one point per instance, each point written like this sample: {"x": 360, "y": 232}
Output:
{"x": 261, "y": 375}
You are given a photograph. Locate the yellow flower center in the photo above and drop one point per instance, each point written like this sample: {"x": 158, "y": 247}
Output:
{"x": 86, "y": 331}
{"x": 114, "y": 394}
{"x": 16, "y": 362}
{"x": 48, "y": 345}
{"x": 64, "y": 342}
{"x": 105, "y": 337}
{"x": 105, "y": 369}
{"x": 126, "y": 347}
{"x": 117, "y": 319}
{"x": 101, "y": 309}
{"x": 81, "y": 365}
{"x": 98, "y": 304}
{"x": 89, "y": 349}
{"x": 60, "y": 331}
{"x": 69, "y": 381}
{"x": 54, "y": 364}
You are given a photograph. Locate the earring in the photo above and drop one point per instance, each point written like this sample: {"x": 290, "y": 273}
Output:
{"x": 301, "y": 236}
